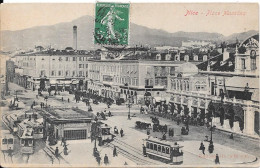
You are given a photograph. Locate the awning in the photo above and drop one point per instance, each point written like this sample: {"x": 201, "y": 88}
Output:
{"x": 239, "y": 83}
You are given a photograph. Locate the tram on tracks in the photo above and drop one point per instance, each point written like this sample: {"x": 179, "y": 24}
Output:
{"x": 7, "y": 140}
{"x": 164, "y": 150}
{"x": 27, "y": 141}
{"x": 105, "y": 135}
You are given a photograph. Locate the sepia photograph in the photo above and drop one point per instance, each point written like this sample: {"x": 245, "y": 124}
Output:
{"x": 126, "y": 84}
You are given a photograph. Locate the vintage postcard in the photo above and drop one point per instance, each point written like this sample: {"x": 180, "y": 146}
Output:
{"x": 111, "y": 84}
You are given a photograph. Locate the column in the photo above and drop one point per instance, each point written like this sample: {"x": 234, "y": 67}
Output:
{"x": 249, "y": 121}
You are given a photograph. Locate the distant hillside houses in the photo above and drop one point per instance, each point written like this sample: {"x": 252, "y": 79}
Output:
{"x": 197, "y": 44}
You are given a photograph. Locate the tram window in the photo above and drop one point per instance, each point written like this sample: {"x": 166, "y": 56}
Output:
{"x": 151, "y": 146}
{"x": 167, "y": 151}
{"x": 147, "y": 145}
{"x": 10, "y": 141}
{"x": 155, "y": 147}
{"x": 30, "y": 142}
{"x": 159, "y": 148}
{"x": 163, "y": 149}
{"x": 4, "y": 141}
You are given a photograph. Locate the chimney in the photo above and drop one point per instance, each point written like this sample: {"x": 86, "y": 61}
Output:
{"x": 75, "y": 38}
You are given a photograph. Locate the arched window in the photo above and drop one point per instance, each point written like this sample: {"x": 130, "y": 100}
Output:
{"x": 205, "y": 57}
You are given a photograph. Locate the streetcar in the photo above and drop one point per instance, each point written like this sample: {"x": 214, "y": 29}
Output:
{"x": 165, "y": 151}
{"x": 25, "y": 134}
{"x": 105, "y": 135}
{"x": 7, "y": 140}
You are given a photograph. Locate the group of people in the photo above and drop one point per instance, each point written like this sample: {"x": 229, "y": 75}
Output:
{"x": 121, "y": 131}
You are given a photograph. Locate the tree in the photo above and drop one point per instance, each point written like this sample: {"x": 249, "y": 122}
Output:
{"x": 211, "y": 111}
{"x": 232, "y": 115}
{"x": 222, "y": 115}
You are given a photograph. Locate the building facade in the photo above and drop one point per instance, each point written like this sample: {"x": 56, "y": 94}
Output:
{"x": 232, "y": 95}
{"x": 58, "y": 69}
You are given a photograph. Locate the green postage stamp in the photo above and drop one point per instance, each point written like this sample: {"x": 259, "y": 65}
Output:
{"x": 112, "y": 23}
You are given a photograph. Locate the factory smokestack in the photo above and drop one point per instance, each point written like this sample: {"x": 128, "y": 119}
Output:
{"x": 75, "y": 45}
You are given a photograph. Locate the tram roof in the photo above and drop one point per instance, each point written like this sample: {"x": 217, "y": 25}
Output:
{"x": 6, "y": 133}
{"x": 162, "y": 142}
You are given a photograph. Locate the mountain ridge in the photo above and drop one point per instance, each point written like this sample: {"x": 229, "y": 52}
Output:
{"x": 60, "y": 36}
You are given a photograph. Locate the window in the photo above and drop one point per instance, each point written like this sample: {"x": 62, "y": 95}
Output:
{"x": 74, "y": 58}
{"x": 147, "y": 145}
{"x": 167, "y": 150}
{"x": 42, "y": 72}
{"x": 80, "y": 65}
{"x": 67, "y": 58}
{"x": 80, "y": 59}
{"x": 80, "y": 73}
{"x": 158, "y": 57}
{"x": 243, "y": 63}
{"x": 86, "y": 73}
{"x": 163, "y": 149}
{"x": 67, "y": 73}
{"x": 59, "y": 73}
{"x": 155, "y": 147}
{"x": 159, "y": 148}
{"x": 52, "y": 73}
{"x": 73, "y": 73}
{"x": 4, "y": 141}
{"x": 151, "y": 146}
{"x": 253, "y": 63}
{"x": 86, "y": 65}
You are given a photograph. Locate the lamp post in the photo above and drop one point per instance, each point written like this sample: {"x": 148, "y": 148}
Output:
{"x": 211, "y": 129}
{"x": 95, "y": 136}
{"x": 129, "y": 105}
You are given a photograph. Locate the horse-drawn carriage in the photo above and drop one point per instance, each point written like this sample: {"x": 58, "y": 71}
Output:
{"x": 159, "y": 128}
{"x": 142, "y": 125}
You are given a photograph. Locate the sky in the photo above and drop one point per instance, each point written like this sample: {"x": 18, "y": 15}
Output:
{"x": 166, "y": 16}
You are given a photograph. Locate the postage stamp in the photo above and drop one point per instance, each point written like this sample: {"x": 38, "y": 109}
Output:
{"x": 111, "y": 23}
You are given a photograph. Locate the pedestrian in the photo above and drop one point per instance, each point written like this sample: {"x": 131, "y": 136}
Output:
{"x": 114, "y": 152}
{"x": 231, "y": 136}
{"x": 32, "y": 106}
{"x": 109, "y": 114}
{"x": 187, "y": 128}
{"x": 106, "y": 159}
{"x": 170, "y": 132}
{"x": 144, "y": 151}
{"x": 98, "y": 159}
{"x": 34, "y": 103}
{"x": 57, "y": 152}
{"x": 65, "y": 150}
{"x": 121, "y": 132}
{"x": 115, "y": 130}
{"x": 217, "y": 159}
{"x": 68, "y": 100}
{"x": 61, "y": 98}
{"x": 62, "y": 141}
{"x": 202, "y": 148}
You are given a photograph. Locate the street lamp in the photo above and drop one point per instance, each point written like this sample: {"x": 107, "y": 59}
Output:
{"x": 129, "y": 105}
{"x": 95, "y": 136}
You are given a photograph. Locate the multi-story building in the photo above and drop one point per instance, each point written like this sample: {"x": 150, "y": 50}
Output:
{"x": 57, "y": 68}
{"x": 120, "y": 78}
{"x": 230, "y": 84}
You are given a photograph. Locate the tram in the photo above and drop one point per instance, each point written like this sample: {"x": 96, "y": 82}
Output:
{"x": 25, "y": 134}
{"x": 105, "y": 135}
{"x": 164, "y": 150}
{"x": 7, "y": 140}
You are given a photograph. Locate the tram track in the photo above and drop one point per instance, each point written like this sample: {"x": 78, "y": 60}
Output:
{"x": 131, "y": 153}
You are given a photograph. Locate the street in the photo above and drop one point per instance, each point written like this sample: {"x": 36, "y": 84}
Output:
{"x": 240, "y": 150}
